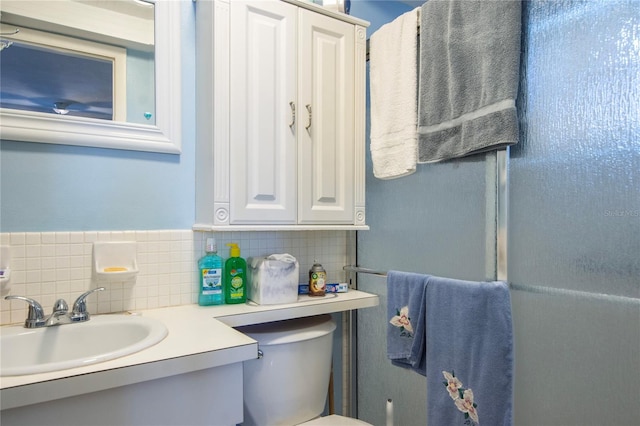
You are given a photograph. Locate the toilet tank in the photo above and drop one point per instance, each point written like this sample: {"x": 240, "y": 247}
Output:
{"x": 288, "y": 384}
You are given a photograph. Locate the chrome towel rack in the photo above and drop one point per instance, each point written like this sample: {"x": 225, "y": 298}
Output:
{"x": 529, "y": 288}
{"x": 357, "y": 269}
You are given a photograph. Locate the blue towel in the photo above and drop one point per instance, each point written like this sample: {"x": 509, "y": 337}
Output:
{"x": 406, "y": 320}
{"x": 470, "y": 353}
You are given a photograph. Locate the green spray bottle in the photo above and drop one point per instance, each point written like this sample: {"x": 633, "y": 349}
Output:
{"x": 235, "y": 277}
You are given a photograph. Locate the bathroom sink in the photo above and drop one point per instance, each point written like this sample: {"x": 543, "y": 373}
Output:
{"x": 102, "y": 338}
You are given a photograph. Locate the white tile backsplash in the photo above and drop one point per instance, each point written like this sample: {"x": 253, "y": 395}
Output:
{"x": 47, "y": 266}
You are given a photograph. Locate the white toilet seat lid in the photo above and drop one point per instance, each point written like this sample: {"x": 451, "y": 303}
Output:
{"x": 290, "y": 331}
{"x": 335, "y": 420}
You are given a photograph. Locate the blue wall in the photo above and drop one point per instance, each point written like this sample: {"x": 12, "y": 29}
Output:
{"x": 378, "y": 12}
{"x": 47, "y": 187}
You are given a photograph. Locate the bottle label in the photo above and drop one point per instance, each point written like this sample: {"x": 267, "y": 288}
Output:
{"x": 211, "y": 281}
{"x": 317, "y": 282}
{"x": 236, "y": 290}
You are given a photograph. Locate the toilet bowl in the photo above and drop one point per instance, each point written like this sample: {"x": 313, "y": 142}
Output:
{"x": 288, "y": 384}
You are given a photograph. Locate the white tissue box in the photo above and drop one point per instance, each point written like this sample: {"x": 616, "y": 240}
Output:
{"x": 273, "y": 279}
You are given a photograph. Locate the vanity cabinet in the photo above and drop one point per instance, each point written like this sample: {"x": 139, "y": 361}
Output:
{"x": 192, "y": 377}
{"x": 280, "y": 131}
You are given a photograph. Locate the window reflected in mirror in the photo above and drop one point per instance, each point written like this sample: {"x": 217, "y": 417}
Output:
{"x": 79, "y": 59}
{"x": 57, "y": 81}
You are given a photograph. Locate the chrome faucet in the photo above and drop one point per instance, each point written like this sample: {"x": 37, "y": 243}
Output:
{"x": 60, "y": 314}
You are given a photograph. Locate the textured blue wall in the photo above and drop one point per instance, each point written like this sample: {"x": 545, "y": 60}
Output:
{"x": 574, "y": 213}
{"x": 573, "y": 224}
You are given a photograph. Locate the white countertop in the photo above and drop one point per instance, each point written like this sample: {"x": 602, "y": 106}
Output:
{"x": 250, "y": 313}
{"x": 199, "y": 338}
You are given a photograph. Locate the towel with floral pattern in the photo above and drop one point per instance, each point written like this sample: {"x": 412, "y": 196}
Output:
{"x": 406, "y": 320}
{"x": 470, "y": 353}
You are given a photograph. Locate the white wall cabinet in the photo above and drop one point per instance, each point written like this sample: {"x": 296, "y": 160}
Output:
{"x": 281, "y": 91}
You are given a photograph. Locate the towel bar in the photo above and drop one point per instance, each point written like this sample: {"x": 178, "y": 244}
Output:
{"x": 357, "y": 269}
{"x": 529, "y": 288}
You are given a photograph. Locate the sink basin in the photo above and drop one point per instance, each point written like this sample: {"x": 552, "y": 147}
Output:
{"x": 102, "y": 338}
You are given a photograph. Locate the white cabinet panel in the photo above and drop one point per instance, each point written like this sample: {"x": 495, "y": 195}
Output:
{"x": 326, "y": 137}
{"x": 263, "y": 160}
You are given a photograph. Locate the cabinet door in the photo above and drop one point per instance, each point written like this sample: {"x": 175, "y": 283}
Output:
{"x": 263, "y": 94}
{"x": 326, "y": 124}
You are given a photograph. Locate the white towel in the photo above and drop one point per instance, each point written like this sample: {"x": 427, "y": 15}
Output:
{"x": 393, "y": 75}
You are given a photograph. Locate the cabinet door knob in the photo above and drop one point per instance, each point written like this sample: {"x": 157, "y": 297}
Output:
{"x": 293, "y": 114}
{"x": 308, "y": 126}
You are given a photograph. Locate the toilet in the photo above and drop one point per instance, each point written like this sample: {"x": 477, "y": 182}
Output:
{"x": 288, "y": 384}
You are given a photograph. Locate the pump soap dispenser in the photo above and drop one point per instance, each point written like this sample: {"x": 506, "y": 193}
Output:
{"x": 210, "y": 276}
{"x": 235, "y": 269}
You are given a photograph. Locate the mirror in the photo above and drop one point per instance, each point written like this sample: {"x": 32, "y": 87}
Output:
{"x": 130, "y": 98}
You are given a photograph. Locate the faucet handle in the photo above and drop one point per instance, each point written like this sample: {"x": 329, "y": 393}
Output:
{"x": 79, "y": 312}
{"x": 35, "y": 317}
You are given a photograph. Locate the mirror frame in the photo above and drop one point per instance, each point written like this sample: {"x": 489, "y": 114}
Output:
{"x": 164, "y": 136}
